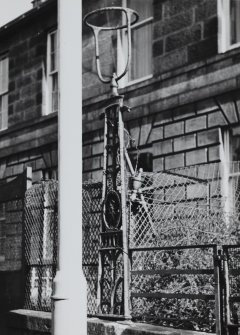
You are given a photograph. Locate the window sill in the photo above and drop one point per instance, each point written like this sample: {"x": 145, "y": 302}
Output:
{"x": 137, "y": 81}
{"x": 229, "y": 48}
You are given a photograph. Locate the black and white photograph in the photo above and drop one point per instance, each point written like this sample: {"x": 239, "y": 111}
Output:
{"x": 119, "y": 167}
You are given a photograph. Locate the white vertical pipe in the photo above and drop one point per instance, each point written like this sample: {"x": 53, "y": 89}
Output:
{"x": 69, "y": 312}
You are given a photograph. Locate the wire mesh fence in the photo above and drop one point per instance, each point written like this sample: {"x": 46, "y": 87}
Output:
{"x": 40, "y": 244}
{"x": 172, "y": 210}
{"x": 187, "y": 206}
{"x": 91, "y": 222}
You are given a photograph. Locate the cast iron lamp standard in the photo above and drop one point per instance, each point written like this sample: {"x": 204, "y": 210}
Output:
{"x": 113, "y": 274}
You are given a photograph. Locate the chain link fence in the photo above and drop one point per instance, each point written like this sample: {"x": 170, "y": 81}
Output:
{"x": 91, "y": 223}
{"x": 40, "y": 244}
{"x": 192, "y": 206}
{"x": 187, "y": 206}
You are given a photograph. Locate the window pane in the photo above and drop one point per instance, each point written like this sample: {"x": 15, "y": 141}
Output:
{"x": 4, "y": 111}
{"x": 235, "y": 21}
{"x": 53, "y": 52}
{"x": 144, "y": 8}
{"x": 3, "y": 75}
{"x": 53, "y": 42}
{"x": 55, "y": 92}
{"x": 141, "y": 64}
{"x": 53, "y": 62}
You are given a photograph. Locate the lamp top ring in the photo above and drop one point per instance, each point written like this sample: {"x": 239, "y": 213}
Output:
{"x": 105, "y": 9}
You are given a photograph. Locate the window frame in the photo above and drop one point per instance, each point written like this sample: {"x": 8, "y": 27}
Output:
{"x": 52, "y": 73}
{"x": 125, "y": 81}
{"x": 227, "y": 174}
{"x": 224, "y": 33}
{"x": 4, "y": 93}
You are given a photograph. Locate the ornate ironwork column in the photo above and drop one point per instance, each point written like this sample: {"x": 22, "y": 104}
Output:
{"x": 113, "y": 275}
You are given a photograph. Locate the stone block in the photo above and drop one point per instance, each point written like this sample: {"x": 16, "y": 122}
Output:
{"x": 216, "y": 119}
{"x": 229, "y": 108}
{"x": 196, "y": 123}
{"x": 157, "y": 10}
{"x": 185, "y": 142}
{"x": 207, "y": 91}
{"x": 205, "y": 106}
{"x": 146, "y": 128}
{"x": 196, "y": 157}
{"x": 40, "y": 50}
{"x": 157, "y": 48}
{"x": 163, "y": 147}
{"x": 12, "y": 85}
{"x": 174, "y": 129}
{"x": 18, "y": 169}
{"x": 23, "y": 81}
{"x": 20, "y": 48}
{"x": 163, "y": 117}
{"x": 183, "y": 112}
{"x": 13, "y": 97}
{"x": 214, "y": 153}
{"x": 183, "y": 38}
{"x": 86, "y": 150}
{"x": 206, "y": 9}
{"x": 156, "y": 134}
{"x": 210, "y": 27}
{"x": 97, "y": 175}
{"x": 174, "y": 7}
{"x": 170, "y": 61}
{"x": 174, "y": 161}
{"x": 97, "y": 148}
{"x": 40, "y": 164}
{"x": 91, "y": 163}
{"x": 202, "y": 50}
{"x": 158, "y": 164}
{"x": 91, "y": 137}
{"x": 208, "y": 137}
{"x": 173, "y": 24}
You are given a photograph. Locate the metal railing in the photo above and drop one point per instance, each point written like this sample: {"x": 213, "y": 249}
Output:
{"x": 175, "y": 286}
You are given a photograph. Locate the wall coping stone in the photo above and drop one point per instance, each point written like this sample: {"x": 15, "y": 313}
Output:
{"x": 41, "y": 322}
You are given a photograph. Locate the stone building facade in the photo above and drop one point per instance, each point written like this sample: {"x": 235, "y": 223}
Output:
{"x": 28, "y": 129}
{"x": 28, "y": 135}
{"x": 186, "y": 109}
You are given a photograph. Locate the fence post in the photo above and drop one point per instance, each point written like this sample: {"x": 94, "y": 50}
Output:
{"x": 28, "y": 176}
{"x": 218, "y": 297}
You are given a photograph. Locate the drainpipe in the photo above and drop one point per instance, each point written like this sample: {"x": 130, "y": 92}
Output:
{"x": 70, "y": 294}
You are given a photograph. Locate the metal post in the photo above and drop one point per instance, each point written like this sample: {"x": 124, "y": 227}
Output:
{"x": 70, "y": 298}
{"x": 124, "y": 215}
{"x": 218, "y": 300}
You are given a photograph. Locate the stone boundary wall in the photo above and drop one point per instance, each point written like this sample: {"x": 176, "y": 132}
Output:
{"x": 23, "y": 322}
